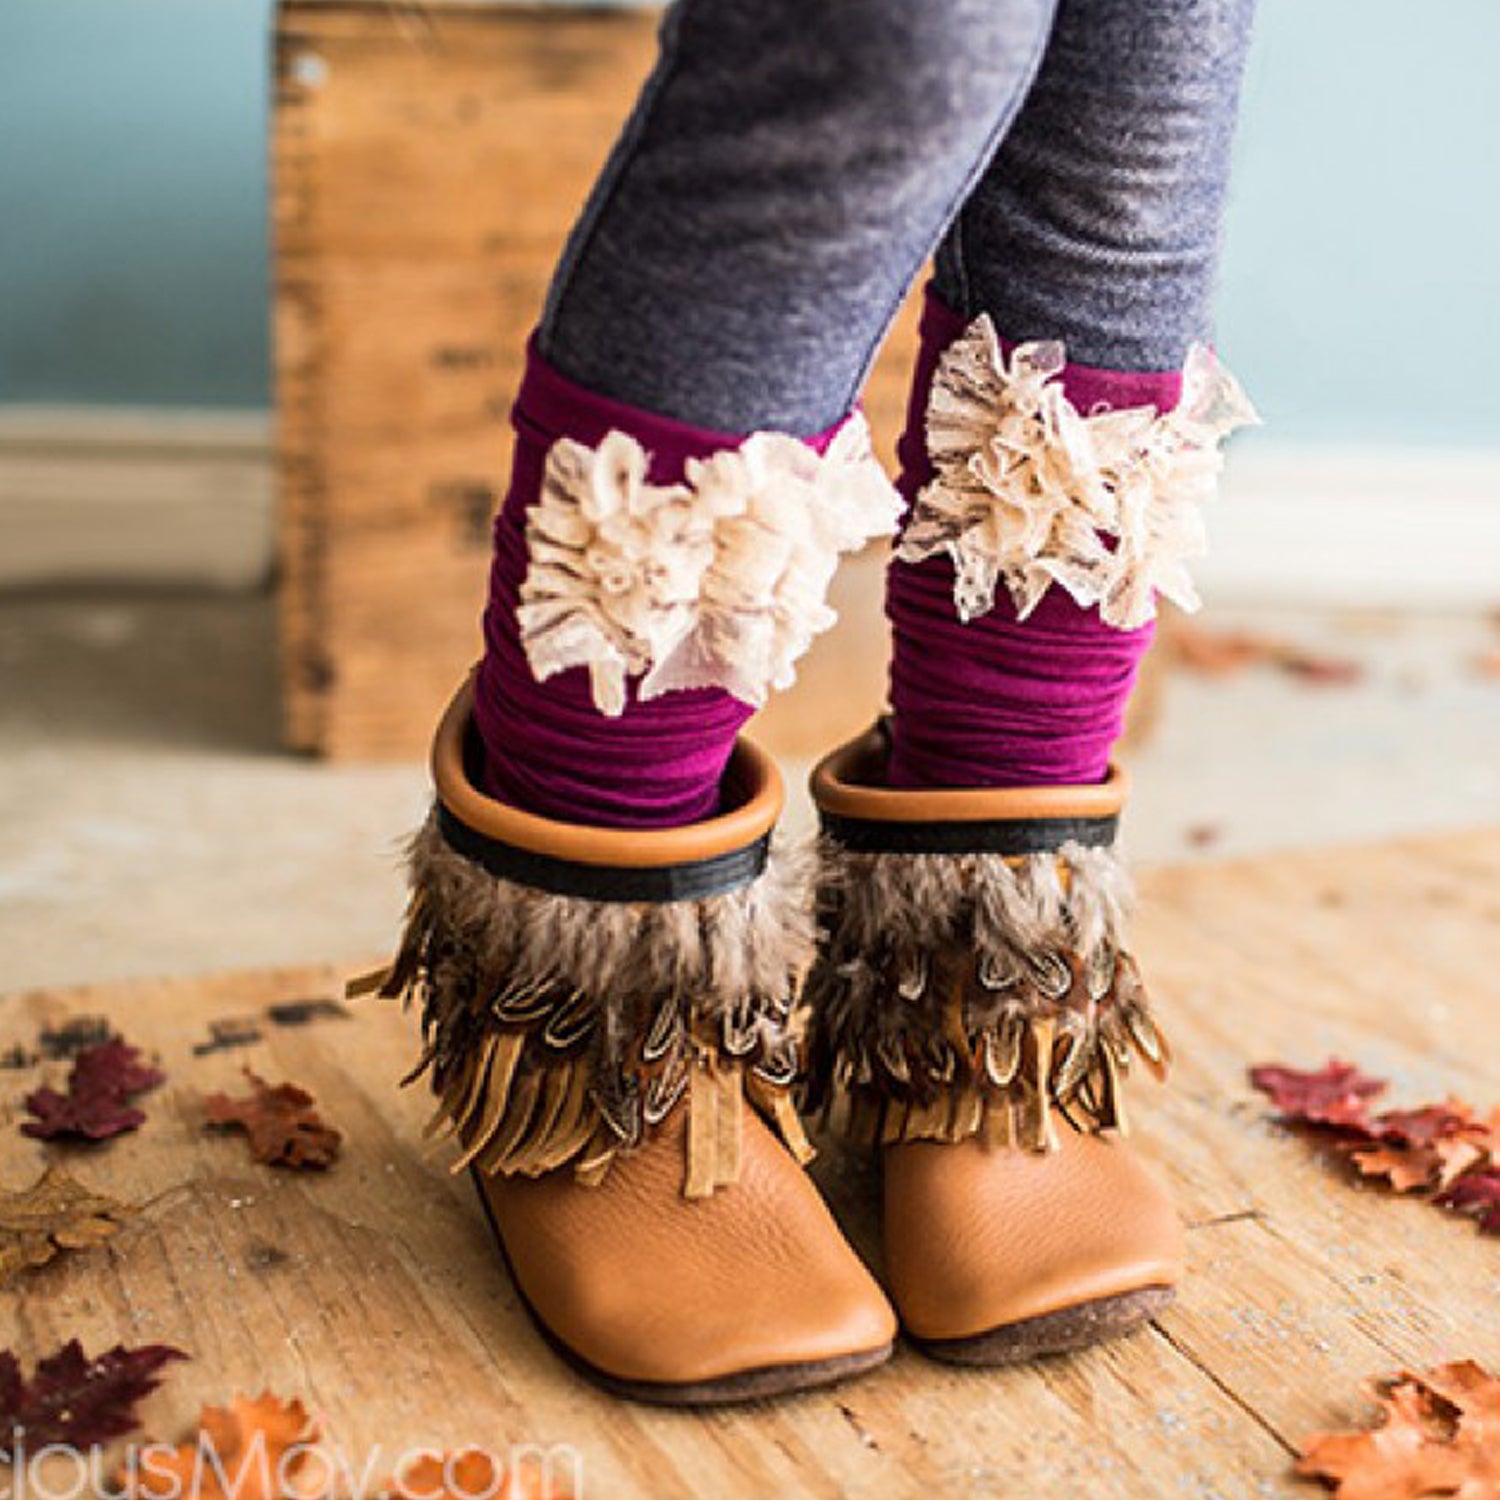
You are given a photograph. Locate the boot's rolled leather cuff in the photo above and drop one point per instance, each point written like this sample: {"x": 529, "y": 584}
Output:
{"x": 862, "y": 814}
{"x": 709, "y": 858}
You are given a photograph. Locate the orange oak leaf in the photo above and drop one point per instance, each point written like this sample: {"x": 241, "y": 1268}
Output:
{"x": 1438, "y": 1435}
{"x": 471, "y": 1474}
{"x": 259, "y": 1449}
{"x": 283, "y": 1127}
{"x": 1406, "y": 1168}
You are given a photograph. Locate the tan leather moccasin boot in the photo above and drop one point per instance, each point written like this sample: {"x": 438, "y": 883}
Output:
{"x": 606, "y": 1015}
{"x": 973, "y": 1013}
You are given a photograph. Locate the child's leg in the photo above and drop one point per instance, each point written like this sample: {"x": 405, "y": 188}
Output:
{"x": 610, "y": 1011}
{"x": 783, "y": 177}
{"x": 1096, "y": 225}
{"x": 974, "y": 989}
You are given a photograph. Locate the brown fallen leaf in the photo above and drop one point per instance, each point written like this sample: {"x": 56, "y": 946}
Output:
{"x": 1225, "y": 653}
{"x": 1315, "y": 667}
{"x": 259, "y": 1449}
{"x": 54, "y": 1214}
{"x": 76, "y": 1400}
{"x": 1215, "y": 653}
{"x": 283, "y": 1127}
{"x": 1438, "y": 1435}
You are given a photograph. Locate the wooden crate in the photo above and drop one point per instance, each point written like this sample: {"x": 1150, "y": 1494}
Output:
{"x": 428, "y": 163}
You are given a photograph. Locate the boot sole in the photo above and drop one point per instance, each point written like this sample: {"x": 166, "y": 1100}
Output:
{"x": 761, "y": 1384}
{"x": 1065, "y": 1331}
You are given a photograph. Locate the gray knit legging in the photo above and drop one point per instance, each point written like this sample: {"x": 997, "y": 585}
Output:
{"x": 791, "y": 164}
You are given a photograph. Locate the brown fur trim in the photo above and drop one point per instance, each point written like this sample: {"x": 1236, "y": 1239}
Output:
{"x": 960, "y": 995}
{"x": 559, "y": 1030}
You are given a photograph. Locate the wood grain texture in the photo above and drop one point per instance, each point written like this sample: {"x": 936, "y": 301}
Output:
{"x": 373, "y": 1290}
{"x": 428, "y": 164}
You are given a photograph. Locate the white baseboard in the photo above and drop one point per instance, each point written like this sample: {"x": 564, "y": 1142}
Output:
{"x": 122, "y": 496}
{"x": 101, "y": 495}
{"x": 1367, "y": 527}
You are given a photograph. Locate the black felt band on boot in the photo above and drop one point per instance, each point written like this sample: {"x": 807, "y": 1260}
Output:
{"x": 690, "y": 881}
{"x": 986, "y": 836}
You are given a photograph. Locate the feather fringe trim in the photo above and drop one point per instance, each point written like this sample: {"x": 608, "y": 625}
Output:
{"x": 719, "y": 581}
{"x": 560, "y": 1031}
{"x": 963, "y": 995}
{"x": 1030, "y": 492}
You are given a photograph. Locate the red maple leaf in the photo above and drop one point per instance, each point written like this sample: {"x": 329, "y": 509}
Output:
{"x": 73, "y": 1399}
{"x": 1477, "y": 1194}
{"x": 1337, "y": 1094}
{"x": 103, "y": 1080}
{"x": 1425, "y": 1126}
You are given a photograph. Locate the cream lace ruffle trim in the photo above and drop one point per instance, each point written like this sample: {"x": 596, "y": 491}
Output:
{"x": 1030, "y": 492}
{"x": 719, "y": 581}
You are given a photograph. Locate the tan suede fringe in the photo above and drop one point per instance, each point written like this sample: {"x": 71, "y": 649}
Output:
{"x": 560, "y": 1031}
{"x": 974, "y": 995}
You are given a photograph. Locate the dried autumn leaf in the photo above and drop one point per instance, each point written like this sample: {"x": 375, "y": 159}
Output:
{"x": 1478, "y": 1195}
{"x": 1439, "y": 1435}
{"x": 1406, "y": 1168}
{"x": 1445, "y": 1136}
{"x": 1224, "y": 653}
{"x": 103, "y": 1080}
{"x": 1336, "y": 1094}
{"x": 283, "y": 1127}
{"x": 1216, "y": 653}
{"x": 249, "y": 1450}
{"x": 1405, "y": 1457}
{"x": 1316, "y": 668}
{"x": 1422, "y": 1127}
{"x": 1441, "y": 1148}
{"x": 471, "y": 1474}
{"x": 76, "y": 1400}
{"x": 55, "y": 1213}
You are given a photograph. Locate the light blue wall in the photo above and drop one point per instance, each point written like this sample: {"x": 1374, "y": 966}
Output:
{"x": 1361, "y": 283}
{"x": 132, "y": 201}
{"x": 1359, "y": 288}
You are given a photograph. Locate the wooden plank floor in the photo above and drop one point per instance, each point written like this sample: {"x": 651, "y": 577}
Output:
{"x": 373, "y": 1293}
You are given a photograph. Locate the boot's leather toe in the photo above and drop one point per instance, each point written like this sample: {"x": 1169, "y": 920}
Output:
{"x": 648, "y": 1287}
{"x": 979, "y": 1238}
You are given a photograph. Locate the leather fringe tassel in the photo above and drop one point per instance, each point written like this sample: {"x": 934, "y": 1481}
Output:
{"x": 956, "y": 1033}
{"x": 533, "y": 1073}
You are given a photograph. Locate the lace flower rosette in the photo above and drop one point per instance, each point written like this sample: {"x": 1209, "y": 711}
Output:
{"x": 720, "y": 581}
{"x": 1029, "y": 492}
